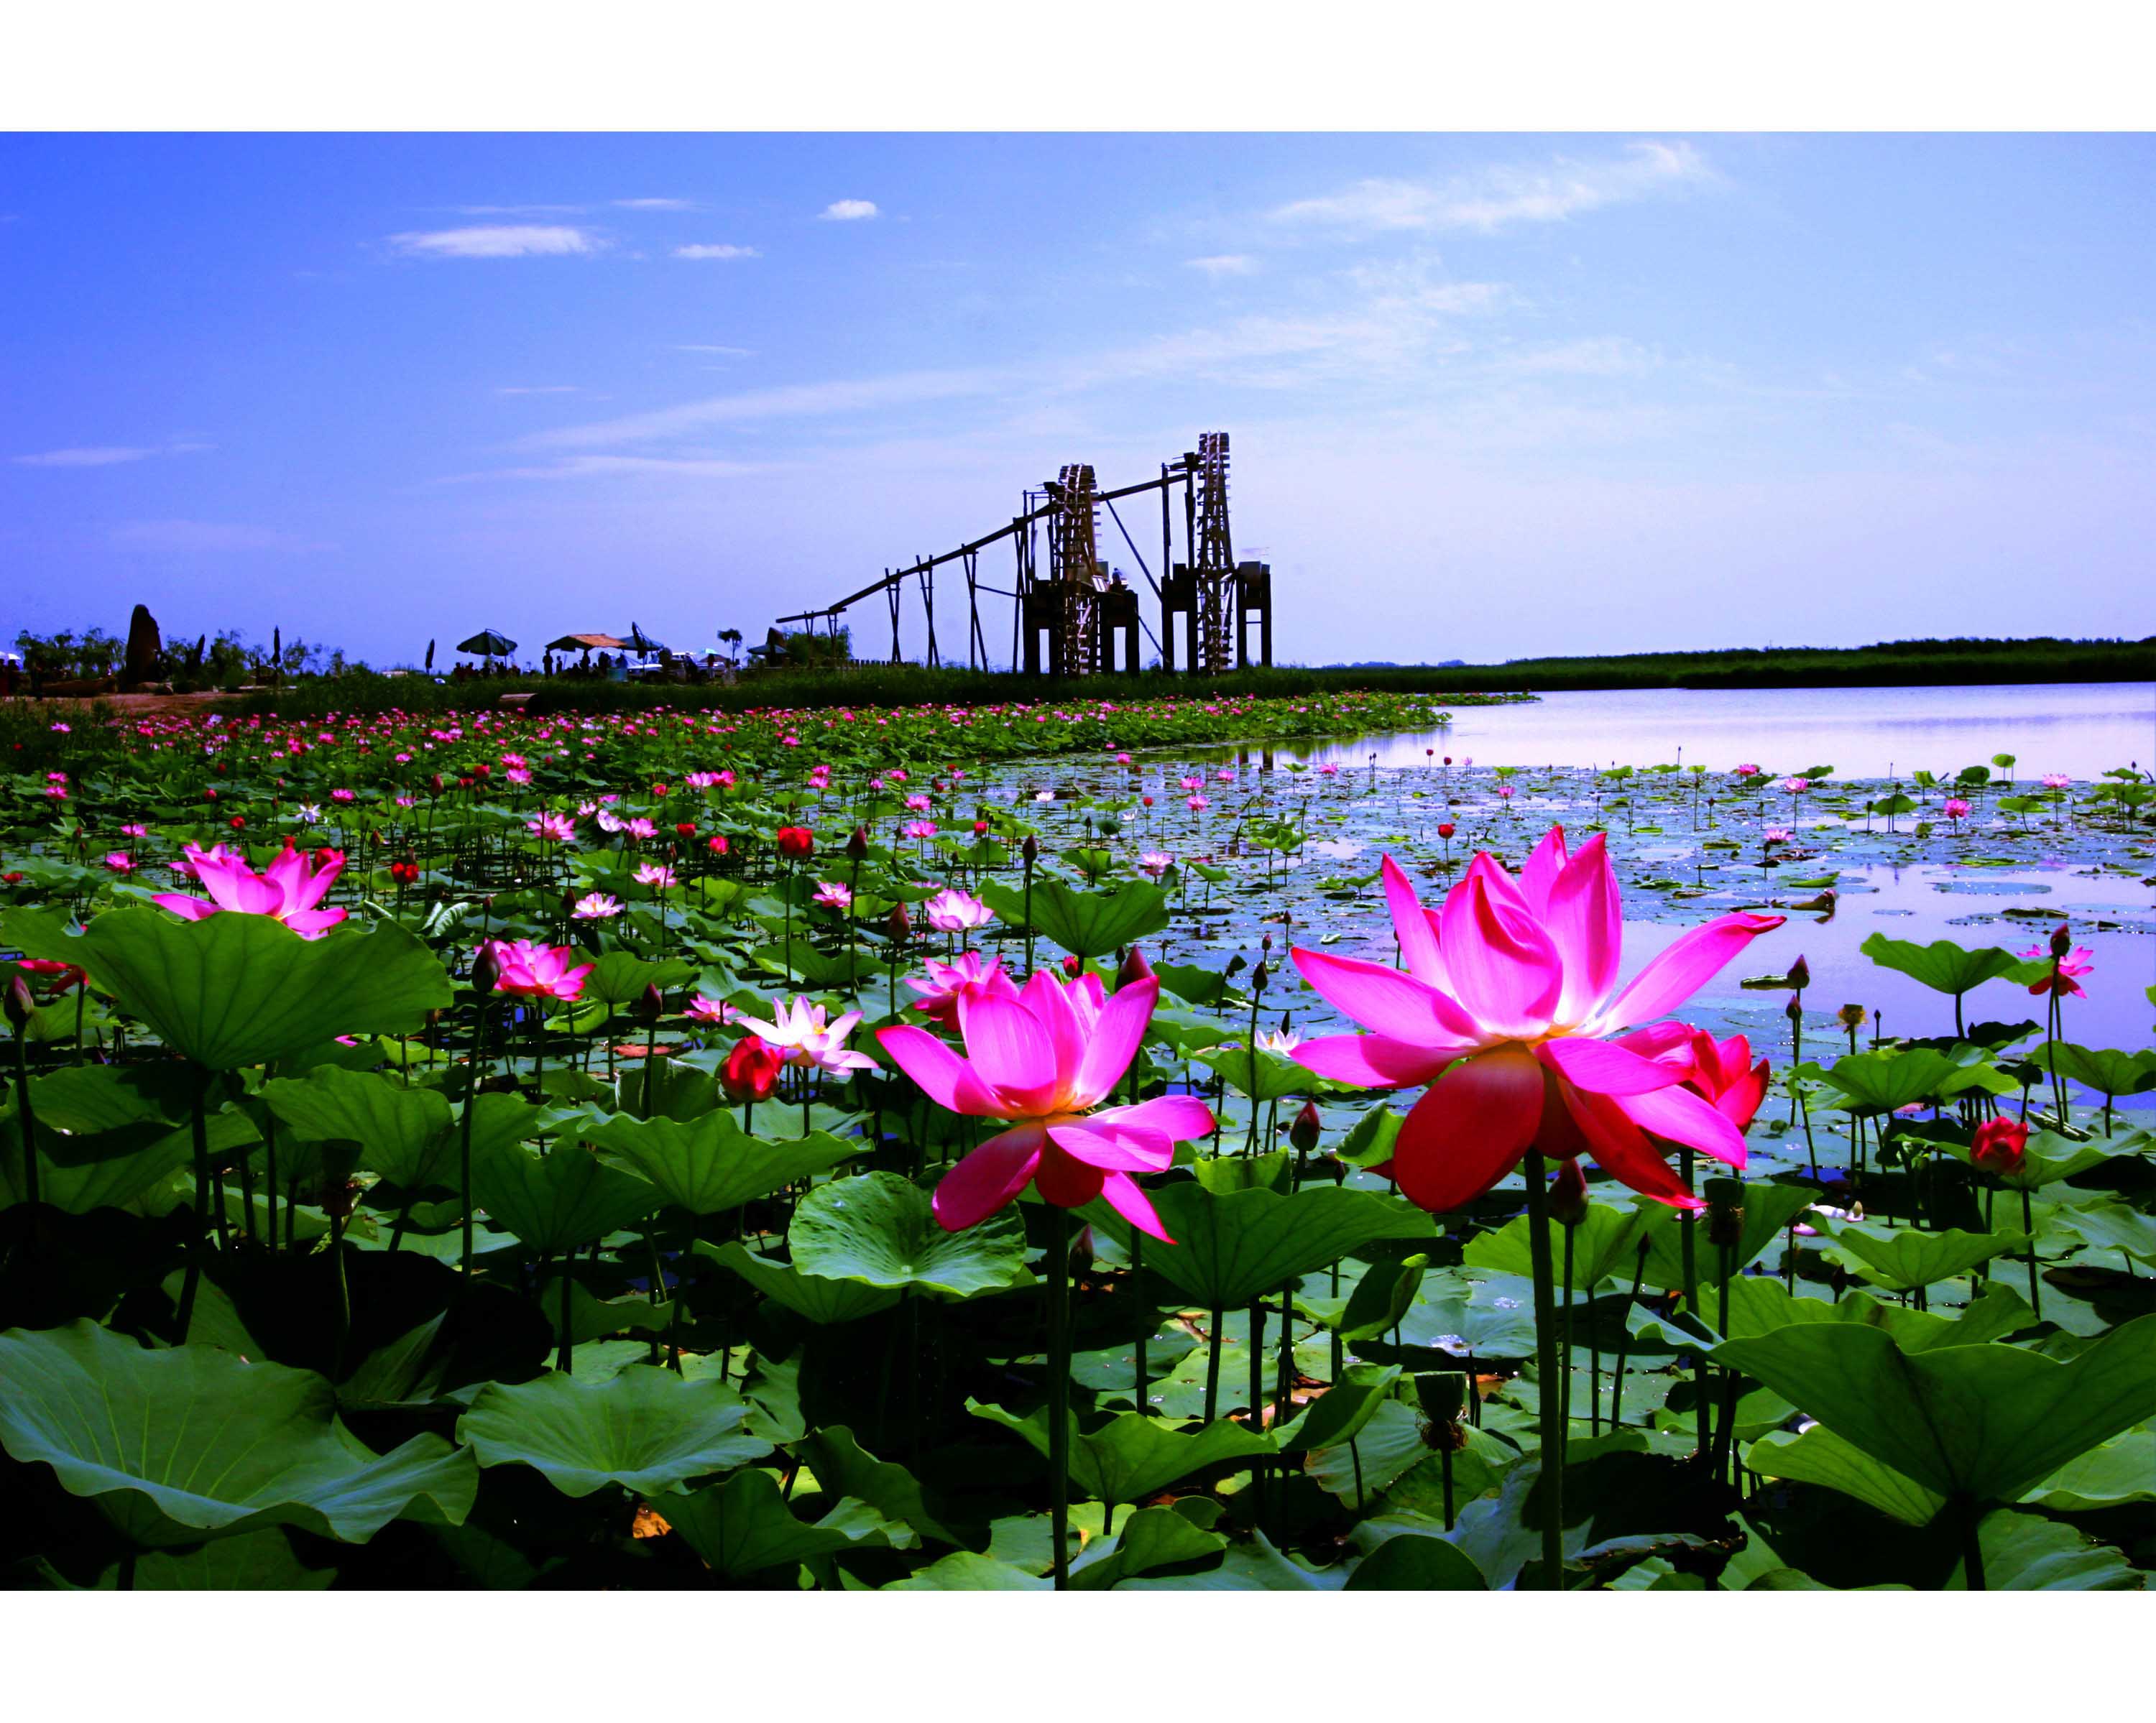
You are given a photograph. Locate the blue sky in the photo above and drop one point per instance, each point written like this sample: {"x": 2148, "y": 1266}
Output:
{"x": 1490, "y": 395}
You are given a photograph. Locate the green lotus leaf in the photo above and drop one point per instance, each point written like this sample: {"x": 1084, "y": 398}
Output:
{"x": 559, "y": 1200}
{"x": 1943, "y": 965}
{"x": 2048, "y": 1159}
{"x": 1904, "y": 1259}
{"x": 1131, "y": 1456}
{"x": 1769, "y": 1209}
{"x": 1883, "y": 1082}
{"x": 962, "y": 1570}
{"x": 1758, "y": 1304}
{"x": 2027, "y": 1552}
{"x": 2123, "y": 1470}
{"x": 1229, "y": 1249}
{"x": 109, "y": 1168}
{"x": 821, "y": 1300}
{"x": 1341, "y": 1411}
{"x": 1151, "y": 1539}
{"x": 191, "y": 1443}
{"x": 879, "y": 1228}
{"x": 646, "y": 1429}
{"x": 842, "y": 1467}
{"x": 1983, "y": 1423}
{"x": 1411, "y": 1563}
{"x": 2105, "y": 1070}
{"x": 233, "y": 990}
{"x": 403, "y": 1134}
{"x": 1605, "y": 1245}
{"x": 2112, "y": 1226}
{"x": 620, "y": 976}
{"x": 744, "y": 1525}
{"x": 709, "y": 1164}
{"x": 1819, "y": 1456}
{"x": 1262, "y": 1075}
{"x": 1090, "y": 924}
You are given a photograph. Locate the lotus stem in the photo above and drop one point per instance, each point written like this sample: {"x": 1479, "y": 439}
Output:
{"x": 1549, "y": 1390}
{"x": 1059, "y": 1392}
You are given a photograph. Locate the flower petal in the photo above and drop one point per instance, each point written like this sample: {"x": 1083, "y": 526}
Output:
{"x": 180, "y": 904}
{"x": 944, "y": 1077}
{"x": 987, "y": 1180}
{"x": 1113, "y": 1043}
{"x": 1011, "y": 1052}
{"x": 1673, "y": 976}
{"x": 1504, "y": 972}
{"x": 1682, "y": 1117}
{"x": 1126, "y": 1148}
{"x": 1411, "y": 926}
{"x": 1376, "y": 1061}
{"x": 1390, "y": 1001}
{"x": 1065, "y": 1181}
{"x": 1122, "y": 1195}
{"x": 1586, "y": 924}
{"x": 1604, "y": 1067}
{"x": 1052, "y": 1008}
{"x": 1182, "y": 1118}
{"x": 1468, "y": 1130}
{"x": 1544, "y": 869}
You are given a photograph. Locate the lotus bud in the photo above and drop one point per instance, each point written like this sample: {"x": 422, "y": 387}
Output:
{"x": 1725, "y": 1210}
{"x": 650, "y": 1005}
{"x": 1030, "y": 849}
{"x": 1259, "y": 976}
{"x": 1304, "y": 1132}
{"x": 1568, "y": 1195}
{"x": 857, "y": 846}
{"x": 2062, "y": 941}
{"x": 1134, "y": 968}
{"x": 486, "y": 970}
{"x": 20, "y": 1003}
{"x": 750, "y": 1070}
{"x": 898, "y": 924}
{"x": 1794, "y": 1010}
{"x": 1445, "y": 828}
{"x": 1074, "y": 966}
{"x": 2001, "y": 1147}
{"x": 1800, "y": 974}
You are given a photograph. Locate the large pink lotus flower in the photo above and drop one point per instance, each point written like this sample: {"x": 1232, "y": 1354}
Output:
{"x": 949, "y": 983}
{"x": 536, "y": 971}
{"x": 1719, "y": 1072}
{"x": 797, "y": 1033}
{"x": 1502, "y": 1009}
{"x": 288, "y": 890}
{"x": 2066, "y": 971}
{"x": 1045, "y": 1060}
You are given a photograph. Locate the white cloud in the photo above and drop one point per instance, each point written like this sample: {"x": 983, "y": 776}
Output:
{"x": 191, "y": 536}
{"x": 723, "y": 253}
{"x": 103, "y": 456}
{"x": 83, "y": 457}
{"x": 653, "y": 203}
{"x": 849, "y": 209}
{"x": 707, "y": 347}
{"x": 1216, "y": 267}
{"x": 498, "y": 242}
{"x": 1500, "y": 196}
{"x": 798, "y": 400}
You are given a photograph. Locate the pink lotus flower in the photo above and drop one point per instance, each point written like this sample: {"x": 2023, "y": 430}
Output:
{"x": 1152, "y": 864}
{"x": 952, "y": 911}
{"x": 536, "y": 971}
{"x": 1503, "y": 1009}
{"x": 705, "y": 1009}
{"x": 289, "y": 890}
{"x": 831, "y": 895}
{"x": 2057, "y": 780}
{"x": 1044, "y": 1061}
{"x": 551, "y": 828}
{"x": 655, "y": 874}
{"x": 950, "y": 983}
{"x": 2062, "y": 979}
{"x": 1748, "y": 771}
{"x": 119, "y": 862}
{"x": 596, "y": 906}
{"x": 1198, "y": 804}
{"x": 1775, "y": 834}
{"x": 1795, "y": 786}
{"x": 799, "y": 1035}
{"x": 923, "y": 828}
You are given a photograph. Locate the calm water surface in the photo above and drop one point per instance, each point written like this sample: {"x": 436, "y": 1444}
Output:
{"x": 2082, "y": 728}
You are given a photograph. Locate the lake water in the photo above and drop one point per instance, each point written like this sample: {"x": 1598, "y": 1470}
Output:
{"x": 2082, "y": 728}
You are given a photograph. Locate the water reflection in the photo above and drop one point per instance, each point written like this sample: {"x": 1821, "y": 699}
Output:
{"x": 2082, "y": 729}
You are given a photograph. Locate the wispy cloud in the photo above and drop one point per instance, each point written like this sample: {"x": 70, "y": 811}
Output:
{"x": 595, "y": 466}
{"x": 719, "y": 252}
{"x": 189, "y": 537}
{"x": 850, "y": 209}
{"x": 707, "y": 347}
{"x": 1503, "y": 196}
{"x": 1595, "y": 356}
{"x": 107, "y": 455}
{"x": 653, "y": 203}
{"x": 520, "y": 209}
{"x": 538, "y": 389}
{"x": 499, "y": 242}
{"x": 1216, "y": 267}
{"x": 795, "y": 401}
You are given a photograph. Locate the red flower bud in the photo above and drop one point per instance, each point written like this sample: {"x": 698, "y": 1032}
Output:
{"x": 1567, "y": 1195}
{"x": 1445, "y": 830}
{"x": 1303, "y": 1133}
{"x": 1800, "y": 974}
{"x": 796, "y": 843}
{"x": 1074, "y": 966}
{"x": 857, "y": 845}
{"x": 236, "y": 822}
{"x": 898, "y": 924}
{"x": 2001, "y": 1147}
{"x": 686, "y": 829}
{"x": 19, "y": 1003}
{"x": 750, "y": 1071}
{"x": 2062, "y": 941}
{"x": 718, "y": 845}
{"x": 486, "y": 970}
{"x": 1134, "y": 968}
